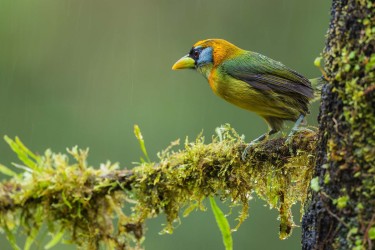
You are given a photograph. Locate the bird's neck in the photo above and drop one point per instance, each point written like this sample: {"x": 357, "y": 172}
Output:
{"x": 226, "y": 52}
{"x": 205, "y": 70}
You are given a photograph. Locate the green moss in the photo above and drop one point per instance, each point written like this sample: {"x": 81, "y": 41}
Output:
{"x": 87, "y": 203}
{"x": 327, "y": 178}
{"x": 351, "y": 144}
{"x": 341, "y": 201}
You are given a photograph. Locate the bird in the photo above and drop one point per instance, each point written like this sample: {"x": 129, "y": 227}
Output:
{"x": 253, "y": 82}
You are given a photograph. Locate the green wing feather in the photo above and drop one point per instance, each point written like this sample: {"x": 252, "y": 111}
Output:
{"x": 265, "y": 74}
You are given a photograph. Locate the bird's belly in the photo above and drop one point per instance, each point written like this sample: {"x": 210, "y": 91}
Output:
{"x": 244, "y": 96}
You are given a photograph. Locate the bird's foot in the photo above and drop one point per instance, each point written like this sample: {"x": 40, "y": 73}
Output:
{"x": 246, "y": 150}
{"x": 253, "y": 142}
{"x": 289, "y": 139}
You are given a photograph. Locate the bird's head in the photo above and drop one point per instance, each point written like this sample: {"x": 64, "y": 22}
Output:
{"x": 207, "y": 53}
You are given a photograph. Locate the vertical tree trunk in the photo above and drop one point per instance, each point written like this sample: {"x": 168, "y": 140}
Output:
{"x": 341, "y": 214}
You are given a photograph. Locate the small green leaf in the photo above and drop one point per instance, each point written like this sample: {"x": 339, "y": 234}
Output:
{"x": 29, "y": 241}
{"x": 325, "y": 166}
{"x": 317, "y": 62}
{"x": 189, "y": 209}
{"x": 138, "y": 134}
{"x": 65, "y": 200}
{"x": 315, "y": 184}
{"x": 371, "y": 233}
{"x": 23, "y": 155}
{"x": 352, "y": 55}
{"x": 11, "y": 238}
{"x": 327, "y": 178}
{"x": 223, "y": 224}
{"x": 55, "y": 239}
{"x": 358, "y": 247}
{"x": 5, "y": 170}
{"x": 342, "y": 201}
{"x": 347, "y": 67}
{"x": 26, "y": 150}
{"x": 353, "y": 230}
{"x": 360, "y": 206}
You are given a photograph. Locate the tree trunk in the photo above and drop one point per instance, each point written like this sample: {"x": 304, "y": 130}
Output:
{"x": 341, "y": 213}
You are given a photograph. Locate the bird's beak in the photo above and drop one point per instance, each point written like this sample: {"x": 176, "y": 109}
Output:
{"x": 185, "y": 62}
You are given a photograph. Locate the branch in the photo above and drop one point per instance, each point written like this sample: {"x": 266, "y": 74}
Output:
{"x": 81, "y": 201}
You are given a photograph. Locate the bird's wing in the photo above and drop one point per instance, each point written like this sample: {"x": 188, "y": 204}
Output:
{"x": 265, "y": 74}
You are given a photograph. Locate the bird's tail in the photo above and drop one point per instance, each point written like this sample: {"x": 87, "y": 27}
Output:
{"x": 317, "y": 85}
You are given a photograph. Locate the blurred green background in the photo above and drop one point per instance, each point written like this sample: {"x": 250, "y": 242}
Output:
{"x": 78, "y": 72}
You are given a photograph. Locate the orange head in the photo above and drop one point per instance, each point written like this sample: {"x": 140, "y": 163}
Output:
{"x": 211, "y": 52}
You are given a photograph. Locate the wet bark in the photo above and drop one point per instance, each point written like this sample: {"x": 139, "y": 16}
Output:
{"x": 341, "y": 213}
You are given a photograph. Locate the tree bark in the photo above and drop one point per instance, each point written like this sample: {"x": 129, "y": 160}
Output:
{"x": 341, "y": 213}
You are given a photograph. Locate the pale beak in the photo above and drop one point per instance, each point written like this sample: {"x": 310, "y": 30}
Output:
{"x": 185, "y": 62}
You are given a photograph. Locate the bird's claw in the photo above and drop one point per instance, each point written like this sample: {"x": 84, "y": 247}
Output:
{"x": 244, "y": 153}
{"x": 288, "y": 140}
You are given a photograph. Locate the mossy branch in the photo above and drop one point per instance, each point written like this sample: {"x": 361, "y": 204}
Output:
{"x": 82, "y": 202}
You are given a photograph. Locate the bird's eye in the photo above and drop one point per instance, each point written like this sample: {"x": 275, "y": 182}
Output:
{"x": 196, "y": 54}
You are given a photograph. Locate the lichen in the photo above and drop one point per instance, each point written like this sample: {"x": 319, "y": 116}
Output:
{"x": 85, "y": 204}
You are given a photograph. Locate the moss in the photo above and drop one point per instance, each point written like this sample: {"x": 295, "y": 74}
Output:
{"x": 87, "y": 203}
